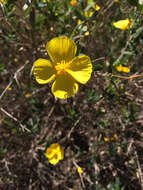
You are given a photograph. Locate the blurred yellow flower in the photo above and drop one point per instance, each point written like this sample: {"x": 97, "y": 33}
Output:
{"x": 73, "y": 3}
{"x": 96, "y": 7}
{"x": 119, "y": 68}
{"x": 79, "y": 22}
{"x": 88, "y": 13}
{"x": 86, "y": 33}
{"x": 27, "y": 95}
{"x": 79, "y": 170}
{"x": 51, "y": 28}
{"x": 123, "y": 24}
{"x": 106, "y": 139}
{"x": 116, "y": 1}
{"x": 114, "y": 138}
{"x": 119, "y": 148}
{"x": 9, "y": 89}
{"x": 2, "y": 1}
{"x": 15, "y": 60}
{"x": 64, "y": 67}
{"x": 123, "y": 69}
{"x": 54, "y": 153}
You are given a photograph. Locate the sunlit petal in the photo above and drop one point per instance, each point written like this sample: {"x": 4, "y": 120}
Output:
{"x": 80, "y": 69}
{"x": 61, "y": 48}
{"x": 54, "y": 160}
{"x": 64, "y": 86}
{"x": 44, "y": 71}
{"x": 61, "y": 155}
{"x": 49, "y": 153}
{"x": 56, "y": 147}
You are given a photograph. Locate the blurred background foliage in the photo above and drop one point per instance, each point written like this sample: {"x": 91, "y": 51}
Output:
{"x": 100, "y": 128}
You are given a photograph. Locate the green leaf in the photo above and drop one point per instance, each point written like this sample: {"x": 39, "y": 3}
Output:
{"x": 139, "y": 31}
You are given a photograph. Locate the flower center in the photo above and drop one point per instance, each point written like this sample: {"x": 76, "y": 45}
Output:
{"x": 62, "y": 67}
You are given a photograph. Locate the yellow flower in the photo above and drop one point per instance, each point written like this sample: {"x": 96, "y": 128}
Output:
{"x": 2, "y": 1}
{"x": 119, "y": 68}
{"x": 86, "y": 33}
{"x": 54, "y": 153}
{"x": 119, "y": 148}
{"x": 9, "y": 89}
{"x": 106, "y": 139}
{"x": 123, "y": 69}
{"x": 116, "y": 1}
{"x": 15, "y": 60}
{"x": 51, "y": 28}
{"x": 96, "y": 7}
{"x": 27, "y": 95}
{"x": 114, "y": 138}
{"x": 64, "y": 67}
{"x": 79, "y": 170}
{"x": 79, "y": 22}
{"x": 88, "y": 13}
{"x": 124, "y": 24}
{"x": 73, "y": 3}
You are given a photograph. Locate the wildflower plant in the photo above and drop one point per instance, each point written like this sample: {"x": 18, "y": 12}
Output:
{"x": 64, "y": 67}
{"x": 54, "y": 153}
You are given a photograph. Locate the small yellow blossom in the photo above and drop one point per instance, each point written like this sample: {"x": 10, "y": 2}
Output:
{"x": 123, "y": 69}
{"x": 123, "y": 24}
{"x": 54, "y": 153}
{"x": 51, "y": 28}
{"x": 79, "y": 22}
{"x": 64, "y": 67}
{"x": 27, "y": 95}
{"x": 119, "y": 148}
{"x": 114, "y": 138}
{"x": 116, "y": 1}
{"x": 9, "y": 89}
{"x": 15, "y": 60}
{"x": 2, "y": 1}
{"x": 73, "y": 3}
{"x": 96, "y": 7}
{"x": 86, "y": 33}
{"x": 88, "y": 13}
{"x": 79, "y": 170}
{"x": 119, "y": 68}
{"x": 106, "y": 139}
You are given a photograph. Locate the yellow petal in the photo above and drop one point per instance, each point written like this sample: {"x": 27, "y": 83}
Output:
{"x": 49, "y": 153}
{"x": 126, "y": 69}
{"x": 56, "y": 147}
{"x": 54, "y": 160}
{"x": 81, "y": 69}
{"x": 61, "y": 155}
{"x": 64, "y": 86}
{"x": 44, "y": 71}
{"x": 61, "y": 48}
{"x": 119, "y": 68}
{"x": 122, "y": 24}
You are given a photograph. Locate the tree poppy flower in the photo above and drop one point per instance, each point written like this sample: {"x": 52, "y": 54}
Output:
{"x": 64, "y": 67}
{"x": 54, "y": 153}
